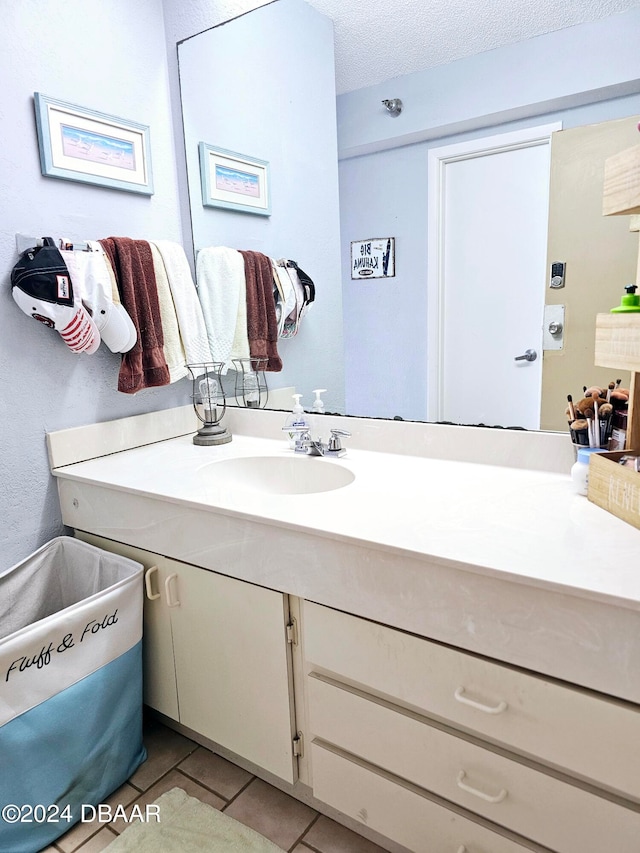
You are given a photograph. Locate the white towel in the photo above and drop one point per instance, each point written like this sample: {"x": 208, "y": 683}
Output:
{"x": 240, "y": 346}
{"x": 222, "y": 290}
{"x": 193, "y": 330}
{"x": 173, "y": 349}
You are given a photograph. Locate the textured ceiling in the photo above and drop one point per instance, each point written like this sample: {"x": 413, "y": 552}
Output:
{"x": 380, "y": 39}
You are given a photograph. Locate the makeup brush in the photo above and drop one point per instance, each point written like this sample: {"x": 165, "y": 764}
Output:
{"x": 572, "y": 411}
{"x": 604, "y": 415}
{"x": 594, "y": 391}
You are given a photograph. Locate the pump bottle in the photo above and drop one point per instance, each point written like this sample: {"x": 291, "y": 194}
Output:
{"x": 297, "y": 420}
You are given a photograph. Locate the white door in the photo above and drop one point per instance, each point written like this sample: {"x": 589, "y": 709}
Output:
{"x": 489, "y": 223}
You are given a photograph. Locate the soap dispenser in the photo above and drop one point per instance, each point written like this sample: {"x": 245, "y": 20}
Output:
{"x": 318, "y": 405}
{"x": 317, "y": 408}
{"x": 297, "y": 420}
{"x": 630, "y": 302}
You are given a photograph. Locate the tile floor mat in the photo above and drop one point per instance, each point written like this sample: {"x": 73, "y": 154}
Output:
{"x": 186, "y": 825}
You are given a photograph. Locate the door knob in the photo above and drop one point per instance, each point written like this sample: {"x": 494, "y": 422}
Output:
{"x": 529, "y": 355}
{"x": 555, "y": 328}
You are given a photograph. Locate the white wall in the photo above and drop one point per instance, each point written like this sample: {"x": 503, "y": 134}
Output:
{"x": 383, "y": 178}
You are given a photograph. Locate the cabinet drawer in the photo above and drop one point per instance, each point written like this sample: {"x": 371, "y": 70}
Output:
{"x": 537, "y": 806}
{"x": 399, "y": 812}
{"x": 570, "y": 729}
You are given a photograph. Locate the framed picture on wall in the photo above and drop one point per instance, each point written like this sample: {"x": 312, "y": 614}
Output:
{"x": 79, "y": 144}
{"x": 234, "y": 181}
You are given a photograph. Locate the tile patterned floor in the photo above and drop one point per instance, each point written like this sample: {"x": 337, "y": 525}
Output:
{"x": 175, "y": 761}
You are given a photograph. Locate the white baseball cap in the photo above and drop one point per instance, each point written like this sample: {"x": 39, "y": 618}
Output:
{"x": 92, "y": 283}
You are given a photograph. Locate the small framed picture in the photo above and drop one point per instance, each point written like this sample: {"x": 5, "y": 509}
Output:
{"x": 80, "y": 144}
{"x": 234, "y": 181}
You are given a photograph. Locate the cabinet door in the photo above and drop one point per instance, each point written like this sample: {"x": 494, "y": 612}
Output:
{"x": 232, "y": 665}
{"x": 160, "y": 689}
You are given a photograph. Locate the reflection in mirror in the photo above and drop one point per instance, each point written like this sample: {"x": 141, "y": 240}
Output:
{"x": 393, "y": 347}
{"x": 262, "y": 85}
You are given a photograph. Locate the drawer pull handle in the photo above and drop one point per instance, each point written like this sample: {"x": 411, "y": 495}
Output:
{"x": 479, "y": 706}
{"x": 167, "y": 589}
{"x": 488, "y": 798}
{"x": 151, "y": 595}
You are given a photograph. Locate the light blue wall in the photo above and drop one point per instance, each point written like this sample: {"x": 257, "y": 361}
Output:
{"x": 119, "y": 58}
{"x": 110, "y": 57}
{"x": 263, "y": 85}
{"x": 383, "y": 178}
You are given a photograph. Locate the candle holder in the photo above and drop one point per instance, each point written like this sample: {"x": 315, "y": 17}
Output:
{"x": 209, "y": 403}
{"x": 251, "y": 385}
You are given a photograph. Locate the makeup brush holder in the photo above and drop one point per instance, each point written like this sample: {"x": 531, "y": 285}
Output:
{"x": 580, "y": 437}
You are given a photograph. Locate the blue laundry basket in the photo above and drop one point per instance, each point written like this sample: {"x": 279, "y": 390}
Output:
{"x": 70, "y": 687}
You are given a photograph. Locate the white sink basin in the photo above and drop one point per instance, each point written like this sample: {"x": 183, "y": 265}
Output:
{"x": 277, "y": 475}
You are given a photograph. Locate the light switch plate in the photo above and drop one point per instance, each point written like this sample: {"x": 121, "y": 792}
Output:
{"x": 553, "y": 314}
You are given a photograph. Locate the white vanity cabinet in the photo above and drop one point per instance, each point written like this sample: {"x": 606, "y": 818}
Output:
{"x": 216, "y": 657}
{"x": 462, "y": 682}
{"x": 402, "y": 727}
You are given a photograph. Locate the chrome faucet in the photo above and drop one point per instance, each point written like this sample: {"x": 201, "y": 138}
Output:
{"x": 304, "y": 443}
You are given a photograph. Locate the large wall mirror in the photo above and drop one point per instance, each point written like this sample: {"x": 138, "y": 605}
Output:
{"x": 262, "y": 85}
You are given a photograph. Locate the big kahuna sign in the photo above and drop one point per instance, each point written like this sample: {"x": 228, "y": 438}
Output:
{"x": 373, "y": 258}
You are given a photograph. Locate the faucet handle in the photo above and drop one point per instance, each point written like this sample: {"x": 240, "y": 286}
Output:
{"x": 334, "y": 441}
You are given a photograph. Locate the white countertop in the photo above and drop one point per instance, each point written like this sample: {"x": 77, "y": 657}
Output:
{"x": 517, "y": 524}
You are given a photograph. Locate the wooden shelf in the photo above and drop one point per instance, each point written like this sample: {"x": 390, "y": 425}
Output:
{"x": 618, "y": 341}
{"x": 621, "y": 195}
{"x": 612, "y": 486}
